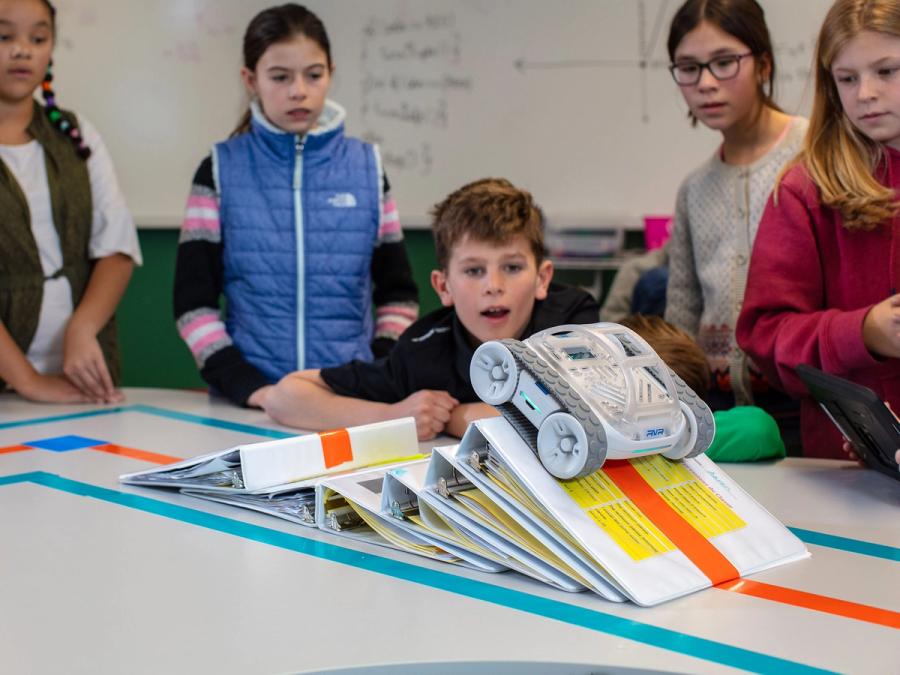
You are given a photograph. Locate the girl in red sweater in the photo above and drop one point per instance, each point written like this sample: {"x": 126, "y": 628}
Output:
{"x": 825, "y": 269}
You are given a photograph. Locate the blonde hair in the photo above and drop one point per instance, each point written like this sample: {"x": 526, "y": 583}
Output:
{"x": 678, "y": 349}
{"x": 841, "y": 160}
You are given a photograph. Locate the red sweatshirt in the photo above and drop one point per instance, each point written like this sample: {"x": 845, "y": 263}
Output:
{"x": 811, "y": 283}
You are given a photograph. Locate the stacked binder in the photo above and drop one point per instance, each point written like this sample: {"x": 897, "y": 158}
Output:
{"x": 646, "y": 530}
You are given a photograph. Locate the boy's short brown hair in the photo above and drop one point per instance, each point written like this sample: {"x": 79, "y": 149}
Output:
{"x": 678, "y": 349}
{"x": 490, "y": 209}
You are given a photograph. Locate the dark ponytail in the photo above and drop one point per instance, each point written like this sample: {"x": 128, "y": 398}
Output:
{"x": 54, "y": 114}
{"x": 274, "y": 25}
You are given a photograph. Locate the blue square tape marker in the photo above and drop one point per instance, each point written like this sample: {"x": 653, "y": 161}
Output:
{"x": 65, "y": 443}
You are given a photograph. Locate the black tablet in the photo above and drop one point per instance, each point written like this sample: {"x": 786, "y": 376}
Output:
{"x": 860, "y": 415}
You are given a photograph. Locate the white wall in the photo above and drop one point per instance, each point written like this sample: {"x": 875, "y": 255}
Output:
{"x": 549, "y": 94}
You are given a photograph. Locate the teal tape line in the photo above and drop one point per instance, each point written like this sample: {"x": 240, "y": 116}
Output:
{"x": 63, "y": 418}
{"x": 807, "y": 536}
{"x": 32, "y": 477}
{"x": 847, "y": 544}
{"x": 159, "y": 412}
{"x": 210, "y": 421}
{"x": 602, "y": 622}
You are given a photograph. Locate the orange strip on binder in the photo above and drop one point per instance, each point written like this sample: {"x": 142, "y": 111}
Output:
{"x": 693, "y": 544}
{"x": 142, "y": 455}
{"x": 336, "y": 448}
{"x": 15, "y": 448}
{"x": 818, "y": 603}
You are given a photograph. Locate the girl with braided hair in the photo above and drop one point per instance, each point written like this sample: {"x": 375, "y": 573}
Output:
{"x": 67, "y": 241}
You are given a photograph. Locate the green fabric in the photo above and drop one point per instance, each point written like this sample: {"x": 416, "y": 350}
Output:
{"x": 745, "y": 434}
{"x": 21, "y": 275}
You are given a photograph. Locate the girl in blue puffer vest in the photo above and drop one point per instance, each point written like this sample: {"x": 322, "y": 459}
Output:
{"x": 294, "y": 223}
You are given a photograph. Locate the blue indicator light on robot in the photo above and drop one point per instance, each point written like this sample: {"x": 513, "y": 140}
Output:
{"x": 529, "y": 402}
{"x": 656, "y": 449}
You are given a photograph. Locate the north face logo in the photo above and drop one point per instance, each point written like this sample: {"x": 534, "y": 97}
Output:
{"x": 342, "y": 200}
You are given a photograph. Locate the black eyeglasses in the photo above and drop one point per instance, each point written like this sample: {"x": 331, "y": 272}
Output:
{"x": 721, "y": 67}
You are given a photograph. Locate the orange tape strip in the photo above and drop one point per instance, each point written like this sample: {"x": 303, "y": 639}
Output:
{"x": 143, "y": 455}
{"x": 693, "y": 544}
{"x": 15, "y": 448}
{"x": 818, "y": 603}
{"x": 336, "y": 448}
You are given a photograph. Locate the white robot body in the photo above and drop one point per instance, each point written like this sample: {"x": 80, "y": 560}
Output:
{"x": 582, "y": 394}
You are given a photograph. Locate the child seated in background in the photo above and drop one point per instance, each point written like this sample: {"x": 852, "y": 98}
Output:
{"x": 639, "y": 286}
{"x": 743, "y": 434}
{"x": 493, "y": 282}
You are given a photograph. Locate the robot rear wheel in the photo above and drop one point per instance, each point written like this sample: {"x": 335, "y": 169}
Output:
{"x": 494, "y": 373}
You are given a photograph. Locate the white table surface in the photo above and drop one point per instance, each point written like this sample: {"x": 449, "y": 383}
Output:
{"x": 97, "y": 577}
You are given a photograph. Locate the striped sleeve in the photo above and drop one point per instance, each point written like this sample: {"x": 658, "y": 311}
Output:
{"x": 197, "y": 290}
{"x": 396, "y": 296}
{"x": 204, "y": 333}
{"x": 201, "y": 216}
{"x": 389, "y": 227}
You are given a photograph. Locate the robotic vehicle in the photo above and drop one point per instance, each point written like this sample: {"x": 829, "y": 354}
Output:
{"x": 582, "y": 394}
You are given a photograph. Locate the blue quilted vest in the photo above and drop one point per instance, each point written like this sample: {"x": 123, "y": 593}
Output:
{"x": 299, "y": 224}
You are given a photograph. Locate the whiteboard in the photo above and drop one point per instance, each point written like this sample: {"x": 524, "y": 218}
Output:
{"x": 569, "y": 99}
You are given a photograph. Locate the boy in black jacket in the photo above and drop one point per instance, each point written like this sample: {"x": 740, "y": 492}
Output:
{"x": 494, "y": 283}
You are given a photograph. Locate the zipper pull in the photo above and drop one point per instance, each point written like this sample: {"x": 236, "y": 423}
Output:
{"x": 298, "y": 153}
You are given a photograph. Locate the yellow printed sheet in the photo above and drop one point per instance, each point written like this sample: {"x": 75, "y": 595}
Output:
{"x": 605, "y": 503}
{"x": 394, "y": 537}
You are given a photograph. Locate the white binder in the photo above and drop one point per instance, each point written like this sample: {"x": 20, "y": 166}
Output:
{"x": 642, "y": 561}
{"x": 274, "y": 464}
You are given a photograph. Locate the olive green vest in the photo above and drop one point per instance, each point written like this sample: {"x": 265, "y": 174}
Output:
{"x": 21, "y": 276}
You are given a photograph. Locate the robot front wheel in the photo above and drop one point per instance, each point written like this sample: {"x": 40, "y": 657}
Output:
{"x": 689, "y": 439}
{"x": 564, "y": 448}
{"x": 494, "y": 373}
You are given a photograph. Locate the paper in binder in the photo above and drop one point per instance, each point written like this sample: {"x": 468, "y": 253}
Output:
{"x": 530, "y": 517}
{"x": 431, "y": 521}
{"x": 400, "y": 502}
{"x": 263, "y": 466}
{"x": 350, "y": 505}
{"x": 449, "y": 493}
{"x": 656, "y": 529}
{"x": 295, "y": 502}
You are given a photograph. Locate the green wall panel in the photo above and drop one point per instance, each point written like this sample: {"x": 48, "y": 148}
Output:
{"x": 153, "y": 354}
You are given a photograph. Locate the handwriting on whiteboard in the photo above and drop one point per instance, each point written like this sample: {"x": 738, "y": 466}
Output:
{"x": 411, "y": 75}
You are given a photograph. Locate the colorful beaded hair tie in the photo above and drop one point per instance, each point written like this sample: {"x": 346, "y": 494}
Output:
{"x": 57, "y": 119}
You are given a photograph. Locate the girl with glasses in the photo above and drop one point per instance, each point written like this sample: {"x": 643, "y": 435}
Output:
{"x": 825, "y": 274}
{"x": 723, "y": 64}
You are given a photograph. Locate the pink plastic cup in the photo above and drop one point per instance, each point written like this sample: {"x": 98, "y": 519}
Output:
{"x": 657, "y": 230}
